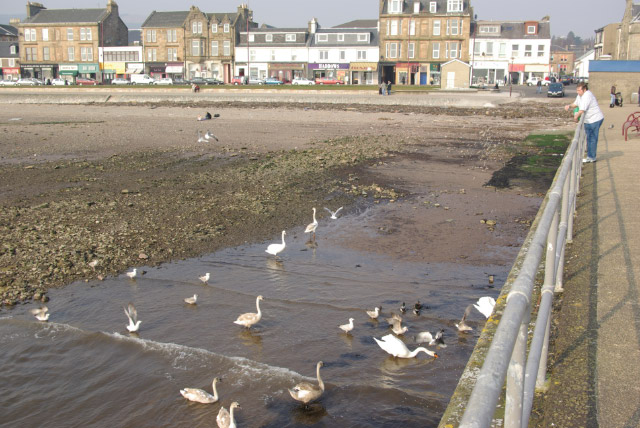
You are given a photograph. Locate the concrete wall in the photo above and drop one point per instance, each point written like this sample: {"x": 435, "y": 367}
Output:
{"x": 627, "y": 83}
{"x": 461, "y": 71}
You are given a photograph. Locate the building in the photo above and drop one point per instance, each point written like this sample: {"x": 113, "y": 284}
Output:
{"x": 499, "y": 49}
{"x": 606, "y": 42}
{"x": 581, "y": 65}
{"x": 9, "y": 33}
{"x": 455, "y": 74}
{"x": 120, "y": 61}
{"x": 9, "y": 60}
{"x": 625, "y": 75}
{"x": 417, "y": 37}
{"x": 163, "y": 40}
{"x": 608, "y": 39}
{"x": 561, "y": 62}
{"x": 65, "y": 42}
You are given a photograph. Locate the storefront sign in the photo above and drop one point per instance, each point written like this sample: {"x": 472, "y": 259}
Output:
{"x": 434, "y": 67}
{"x": 10, "y": 70}
{"x": 363, "y": 66}
{"x": 174, "y": 68}
{"x": 37, "y": 66}
{"x": 157, "y": 68}
{"x": 88, "y": 68}
{"x": 114, "y": 67}
{"x": 286, "y": 66}
{"x": 323, "y": 66}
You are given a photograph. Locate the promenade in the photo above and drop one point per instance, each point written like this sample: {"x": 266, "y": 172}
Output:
{"x": 595, "y": 359}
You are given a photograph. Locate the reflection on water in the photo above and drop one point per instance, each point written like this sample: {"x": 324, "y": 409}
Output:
{"x": 84, "y": 369}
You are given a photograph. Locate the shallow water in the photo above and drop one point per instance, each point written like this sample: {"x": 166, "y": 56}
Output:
{"x": 83, "y": 368}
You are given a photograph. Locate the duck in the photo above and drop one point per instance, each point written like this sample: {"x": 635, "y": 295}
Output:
{"x": 191, "y": 300}
{"x": 225, "y": 418}
{"x": 132, "y": 315}
{"x": 307, "y": 392}
{"x": 204, "y": 278}
{"x": 250, "y": 318}
{"x": 201, "y": 396}
{"x": 375, "y": 312}
{"x": 403, "y": 308}
{"x": 133, "y": 273}
{"x": 462, "y": 325}
{"x": 485, "y": 305}
{"x": 333, "y": 213}
{"x": 396, "y": 347}
{"x": 209, "y": 136}
{"x": 347, "y": 327}
{"x": 426, "y": 337}
{"x": 311, "y": 227}
{"x": 275, "y": 249}
{"x": 41, "y": 314}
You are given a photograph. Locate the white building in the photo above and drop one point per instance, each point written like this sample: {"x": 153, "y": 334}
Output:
{"x": 499, "y": 49}
{"x": 581, "y": 66}
{"x": 120, "y": 61}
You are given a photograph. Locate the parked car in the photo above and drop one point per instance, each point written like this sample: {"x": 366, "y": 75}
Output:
{"x": 328, "y": 81}
{"x": 120, "y": 81}
{"x": 180, "y": 81}
{"x": 164, "y": 81}
{"x": 239, "y": 80}
{"x": 200, "y": 81}
{"x": 28, "y": 81}
{"x": 533, "y": 81}
{"x": 302, "y": 81}
{"x": 255, "y": 81}
{"x": 273, "y": 81}
{"x": 8, "y": 82}
{"x": 213, "y": 81}
{"x": 141, "y": 79}
{"x": 86, "y": 81}
{"x": 566, "y": 80}
{"x": 555, "y": 90}
{"x": 59, "y": 81}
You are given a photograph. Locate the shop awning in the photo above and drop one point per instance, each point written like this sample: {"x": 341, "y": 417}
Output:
{"x": 363, "y": 66}
{"x": 174, "y": 69}
{"x": 68, "y": 72}
{"x": 134, "y": 68}
{"x": 537, "y": 68}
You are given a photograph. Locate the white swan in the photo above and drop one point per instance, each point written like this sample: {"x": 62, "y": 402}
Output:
{"x": 132, "y": 314}
{"x": 191, "y": 300}
{"x": 375, "y": 312}
{"x": 397, "y": 348}
{"x": 210, "y": 136}
{"x": 41, "y": 314}
{"x": 204, "y": 278}
{"x": 201, "y": 138}
{"x": 311, "y": 227}
{"x": 307, "y": 392}
{"x": 200, "y": 396}
{"x": 333, "y": 213}
{"x": 250, "y": 318}
{"x": 274, "y": 249}
{"x": 226, "y": 419}
{"x": 133, "y": 273}
{"x": 347, "y": 327}
{"x": 462, "y": 325}
{"x": 485, "y": 305}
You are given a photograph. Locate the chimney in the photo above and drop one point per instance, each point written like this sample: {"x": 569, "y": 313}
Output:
{"x": 112, "y": 7}
{"x": 33, "y": 8}
{"x": 14, "y": 21}
{"x": 313, "y": 25}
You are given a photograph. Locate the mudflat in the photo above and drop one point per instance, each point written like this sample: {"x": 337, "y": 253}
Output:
{"x": 129, "y": 185}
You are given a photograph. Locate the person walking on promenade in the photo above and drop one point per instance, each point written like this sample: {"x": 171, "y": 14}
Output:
{"x": 593, "y": 118}
{"x": 389, "y": 87}
{"x": 613, "y": 96}
{"x": 383, "y": 88}
{"x": 539, "y": 87}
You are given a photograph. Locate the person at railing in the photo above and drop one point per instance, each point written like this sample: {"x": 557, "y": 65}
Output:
{"x": 593, "y": 118}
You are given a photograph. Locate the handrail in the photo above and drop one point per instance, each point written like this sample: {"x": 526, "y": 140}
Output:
{"x": 506, "y": 357}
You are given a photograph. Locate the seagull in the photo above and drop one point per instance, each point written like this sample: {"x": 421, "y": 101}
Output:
{"x": 204, "y": 278}
{"x": 397, "y": 327}
{"x": 201, "y": 396}
{"x": 250, "y": 318}
{"x": 397, "y": 348}
{"x": 191, "y": 300}
{"x": 375, "y": 312}
{"x": 226, "y": 419}
{"x": 333, "y": 213}
{"x": 210, "y": 136}
{"x": 426, "y": 337}
{"x": 462, "y": 326}
{"x": 133, "y": 273}
{"x": 347, "y": 327}
{"x": 93, "y": 264}
{"x": 311, "y": 227}
{"x": 307, "y": 392}
{"x": 201, "y": 139}
{"x": 132, "y": 314}
{"x": 485, "y": 305}
{"x": 274, "y": 249}
{"x": 611, "y": 126}
{"x": 41, "y": 314}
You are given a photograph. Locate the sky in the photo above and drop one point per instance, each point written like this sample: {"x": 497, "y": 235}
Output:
{"x": 594, "y": 14}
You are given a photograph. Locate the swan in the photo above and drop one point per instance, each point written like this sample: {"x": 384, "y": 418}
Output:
{"x": 307, "y": 392}
{"x": 210, "y": 136}
{"x": 41, "y": 314}
{"x": 426, "y": 337}
{"x": 226, "y": 419}
{"x": 133, "y": 273}
{"x": 333, "y": 213}
{"x": 201, "y": 139}
{"x": 191, "y": 300}
{"x": 462, "y": 326}
{"x": 397, "y": 348}
{"x": 485, "y": 305}
{"x": 132, "y": 314}
{"x": 375, "y": 312}
{"x": 204, "y": 278}
{"x": 311, "y": 227}
{"x": 250, "y": 318}
{"x": 200, "y": 396}
{"x": 347, "y": 327}
{"x": 274, "y": 249}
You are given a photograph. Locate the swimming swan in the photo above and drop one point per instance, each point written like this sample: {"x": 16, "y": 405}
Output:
{"x": 200, "y": 396}
{"x": 307, "y": 392}
{"x": 397, "y": 348}
{"x": 226, "y": 419}
{"x": 250, "y": 318}
{"x": 274, "y": 249}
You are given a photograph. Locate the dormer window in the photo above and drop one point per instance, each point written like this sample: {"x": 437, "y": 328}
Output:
{"x": 489, "y": 29}
{"x": 341, "y": 37}
{"x": 322, "y": 37}
{"x": 363, "y": 37}
{"x": 251, "y": 38}
{"x": 290, "y": 37}
{"x": 214, "y": 28}
{"x": 531, "y": 29}
{"x": 433, "y": 7}
{"x": 416, "y": 7}
{"x": 454, "y": 5}
{"x": 226, "y": 28}
{"x": 269, "y": 37}
{"x": 395, "y": 6}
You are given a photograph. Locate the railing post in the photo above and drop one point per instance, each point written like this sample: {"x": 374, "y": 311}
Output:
{"x": 515, "y": 375}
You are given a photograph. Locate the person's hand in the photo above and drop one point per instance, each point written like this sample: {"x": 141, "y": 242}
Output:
{"x": 566, "y": 108}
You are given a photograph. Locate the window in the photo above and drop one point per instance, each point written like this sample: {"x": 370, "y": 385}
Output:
{"x": 32, "y": 54}
{"x": 290, "y": 37}
{"x": 45, "y": 53}
{"x": 411, "y": 50}
{"x": 489, "y": 29}
{"x": 13, "y": 50}
{"x": 454, "y": 5}
{"x": 416, "y": 7}
{"x": 172, "y": 36}
{"x": 252, "y": 55}
{"x": 226, "y": 48}
{"x": 269, "y": 37}
{"x": 436, "y": 50}
{"x": 251, "y": 38}
{"x": 69, "y": 33}
{"x": 322, "y": 37}
{"x": 152, "y": 55}
{"x": 151, "y": 36}
{"x": 196, "y": 27}
{"x": 362, "y": 55}
{"x": 30, "y": 35}
{"x": 392, "y": 50}
{"x": 514, "y": 50}
{"x": 436, "y": 27}
{"x": 503, "y": 50}
{"x": 394, "y": 28}
{"x": 88, "y": 34}
{"x": 71, "y": 53}
{"x": 412, "y": 27}
{"x": 453, "y": 49}
{"x": 226, "y": 28}
{"x": 12, "y": 62}
{"x": 477, "y": 48}
{"x": 214, "y": 28}
{"x": 172, "y": 54}
{"x": 45, "y": 34}
{"x": 527, "y": 50}
{"x": 83, "y": 53}
{"x": 273, "y": 55}
{"x": 531, "y": 29}
{"x": 341, "y": 37}
{"x": 452, "y": 27}
{"x": 432, "y": 7}
{"x": 540, "y": 50}
{"x": 214, "y": 48}
{"x": 343, "y": 55}
{"x": 363, "y": 37}
{"x": 83, "y": 34}
{"x": 323, "y": 54}
{"x": 395, "y": 6}
{"x": 489, "y": 48}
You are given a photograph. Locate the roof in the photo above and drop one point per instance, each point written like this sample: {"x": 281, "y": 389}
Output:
{"x": 5, "y": 50}
{"x": 585, "y": 55}
{"x": 441, "y": 7}
{"x": 165, "y": 19}
{"x": 134, "y": 36}
{"x": 614, "y": 66}
{"x": 8, "y": 30}
{"x": 359, "y": 23}
{"x": 59, "y": 16}
{"x": 515, "y": 30}
{"x": 220, "y": 16}
{"x": 349, "y": 39}
{"x": 456, "y": 60}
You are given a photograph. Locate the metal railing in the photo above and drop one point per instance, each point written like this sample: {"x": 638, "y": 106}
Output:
{"x": 507, "y": 355}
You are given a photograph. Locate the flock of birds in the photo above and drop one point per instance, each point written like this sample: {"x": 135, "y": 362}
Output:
{"x": 307, "y": 392}
{"x": 208, "y": 136}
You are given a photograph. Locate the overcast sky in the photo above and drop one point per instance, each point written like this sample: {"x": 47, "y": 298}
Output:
{"x": 296, "y": 13}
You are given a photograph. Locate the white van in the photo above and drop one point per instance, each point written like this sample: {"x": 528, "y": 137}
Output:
{"x": 141, "y": 79}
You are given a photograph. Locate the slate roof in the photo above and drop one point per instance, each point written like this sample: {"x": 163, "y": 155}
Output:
{"x": 220, "y": 16}
{"x": 165, "y": 19}
{"x": 59, "y": 16}
{"x": 134, "y": 36}
{"x": 441, "y": 6}
{"x": 614, "y": 66}
{"x": 5, "y": 50}
{"x": 8, "y": 30}
{"x": 515, "y": 30}
{"x": 348, "y": 41}
{"x": 279, "y": 37}
{"x": 359, "y": 23}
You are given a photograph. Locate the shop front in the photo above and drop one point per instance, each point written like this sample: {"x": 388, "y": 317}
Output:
{"x": 39, "y": 71}
{"x": 536, "y": 70}
{"x": 134, "y": 68}
{"x": 339, "y": 71}
{"x": 157, "y": 70}
{"x": 516, "y": 72}
{"x": 111, "y": 70}
{"x": 91, "y": 70}
{"x": 407, "y": 73}
{"x": 434, "y": 74}
{"x": 175, "y": 70}
{"x": 363, "y": 73}
{"x": 286, "y": 71}
{"x": 10, "y": 73}
{"x": 488, "y": 73}
{"x": 68, "y": 72}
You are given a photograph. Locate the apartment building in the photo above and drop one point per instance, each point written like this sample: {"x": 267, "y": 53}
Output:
{"x": 163, "y": 44}
{"x": 9, "y": 60}
{"x": 561, "y": 61}
{"x": 417, "y": 37}
{"x": 65, "y": 42}
{"x": 9, "y": 33}
{"x": 608, "y": 39}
